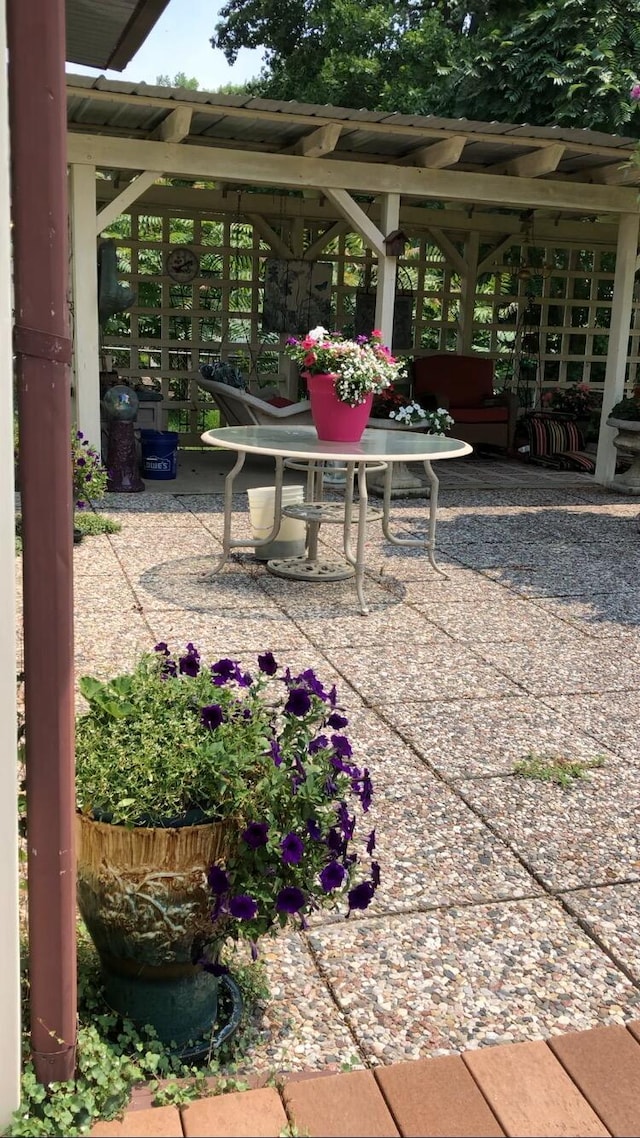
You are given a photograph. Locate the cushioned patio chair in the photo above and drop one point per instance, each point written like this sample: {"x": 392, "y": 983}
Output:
{"x": 464, "y": 385}
{"x": 240, "y": 409}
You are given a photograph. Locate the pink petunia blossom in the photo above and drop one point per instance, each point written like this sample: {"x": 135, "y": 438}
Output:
{"x": 635, "y": 92}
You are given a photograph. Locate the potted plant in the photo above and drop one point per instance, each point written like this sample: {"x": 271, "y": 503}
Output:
{"x": 395, "y": 411}
{"x": 213, "y": 804}
{"x": 625, "y": 416}
{"x": 577, "y": 402}
{"x": 343, "y": 376}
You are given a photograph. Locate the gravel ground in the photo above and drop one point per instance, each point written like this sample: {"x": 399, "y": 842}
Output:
{"x": 508, "y": 906}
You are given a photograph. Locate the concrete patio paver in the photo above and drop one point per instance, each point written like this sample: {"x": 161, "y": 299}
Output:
{"x": 447, "y": 683}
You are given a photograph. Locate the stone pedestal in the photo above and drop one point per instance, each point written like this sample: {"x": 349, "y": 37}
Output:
{"x": 628, "y": 442}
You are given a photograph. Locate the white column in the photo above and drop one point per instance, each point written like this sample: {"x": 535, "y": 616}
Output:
{"x": 84, "y": 284}
{"x": 626, "y": 253}
{"x": 9, "y": 925}
{"x": 386, "y": 286}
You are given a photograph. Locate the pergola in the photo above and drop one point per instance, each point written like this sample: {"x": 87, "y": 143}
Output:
{"x": 292, "y": 169}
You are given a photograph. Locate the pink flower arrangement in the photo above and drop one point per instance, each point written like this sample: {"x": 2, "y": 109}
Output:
{"x": 360, "y": 366}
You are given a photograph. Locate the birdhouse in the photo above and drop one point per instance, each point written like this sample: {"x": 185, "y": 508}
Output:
{"x": 395, "y": 243}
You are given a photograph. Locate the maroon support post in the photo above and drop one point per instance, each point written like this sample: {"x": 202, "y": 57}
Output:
{"x": 37, "y": 103}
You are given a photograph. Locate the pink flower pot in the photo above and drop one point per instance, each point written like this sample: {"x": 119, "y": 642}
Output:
{"x": 335, "y": 421}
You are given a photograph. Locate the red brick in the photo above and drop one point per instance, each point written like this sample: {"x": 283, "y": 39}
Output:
{"x": 605, "y": 1064}
{"x": 242, "y": 1114}
{"x": 340, "y": 1106}
{"x": 530, "y": 1092}
{"x": 156, "y": 1122}
{"x": 437, "y": 1098}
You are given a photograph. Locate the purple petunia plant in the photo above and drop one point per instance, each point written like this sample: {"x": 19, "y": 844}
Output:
{"x": 89, "y": 475}
{"x": 264, "y": 749}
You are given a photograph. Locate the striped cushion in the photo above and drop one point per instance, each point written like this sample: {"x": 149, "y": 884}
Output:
{"x": 556, "y": 443}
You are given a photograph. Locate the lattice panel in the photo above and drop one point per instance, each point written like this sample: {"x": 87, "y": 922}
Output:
{"x": 545, "y": 324}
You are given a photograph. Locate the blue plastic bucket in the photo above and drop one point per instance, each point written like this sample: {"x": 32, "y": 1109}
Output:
{"x": 159, "y": 454}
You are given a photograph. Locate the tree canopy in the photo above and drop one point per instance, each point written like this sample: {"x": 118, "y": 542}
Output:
{"x": 569, "y": 62}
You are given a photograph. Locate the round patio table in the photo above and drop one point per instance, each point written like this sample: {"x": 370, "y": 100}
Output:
{"x": 377, "y": 450}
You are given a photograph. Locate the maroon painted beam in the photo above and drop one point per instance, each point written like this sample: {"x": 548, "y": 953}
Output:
{"x": 37, "y": 107}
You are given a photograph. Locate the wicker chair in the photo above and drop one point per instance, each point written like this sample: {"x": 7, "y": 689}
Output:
{"x": 240, "y": 409}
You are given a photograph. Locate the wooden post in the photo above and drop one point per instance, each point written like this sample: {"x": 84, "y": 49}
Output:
{"x": 9, "y": 927}
{"x": 84, "y": 282}
{"x": 626, "y": 253}
{"x": 468, "y": 294}
{"x": 387, "y": 266}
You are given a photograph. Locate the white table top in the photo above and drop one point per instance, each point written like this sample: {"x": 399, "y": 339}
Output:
{"x": 303, "y": 442}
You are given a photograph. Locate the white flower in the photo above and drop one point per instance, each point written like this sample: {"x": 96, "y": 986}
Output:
{"x": 318, "y": 333}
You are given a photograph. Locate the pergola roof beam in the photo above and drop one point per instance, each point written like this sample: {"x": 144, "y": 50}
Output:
{"x": 534, "y": 164}
{"x": 183, "y": 160}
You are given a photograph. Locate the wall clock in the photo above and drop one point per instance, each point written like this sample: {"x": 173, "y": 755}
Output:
{"x": 182, "y": 264}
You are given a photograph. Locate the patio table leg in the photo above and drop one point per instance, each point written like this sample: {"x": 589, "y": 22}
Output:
{"x": 428, "y": 543}
{"x": 229, "y": 543}
{"x": 362, "y": 532}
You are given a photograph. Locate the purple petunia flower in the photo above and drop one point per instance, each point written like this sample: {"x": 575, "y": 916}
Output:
{"x": 243, "y": 907}
{"x": 81, "y": 462}
{"x": 361, "y": 896}
{"x": 375, "y": 874}
{"x": 336, "y": 720}
{"x": 371, "y": 842}
{"x": 332, "y": 697}
{"x": 213, "y": 967}
{"x": 311, "y": 681}
{"x": 162, "y": 648}
{"x": 211, "y": 716}
{"x": 267, "y": 664}
{"x": 254, "y": 950}
{"x": 366, "y": 792}
{"x": 332, "y": 876}
{"x": 318, "y": 744}
{"x": 189, "y": 664}
{"x": 330, "y": 788}
{"x": 313, "y": 830}
{"x": 217, "y": 879}
{"x": 276, "y": 753}
{"x": 298, "y": 703}
{"x": 223, "y": 671}
{"x": 335, "y": 841}
{"x": 346, "y": 821}
{"x": 255, "y": 835}
{"x": 244, "y": 679}
{"x": 79, "y": 435}
{"x": 342, "y": 746}
{"x": 292, "y": 849}
{"x": 290, "y": 899}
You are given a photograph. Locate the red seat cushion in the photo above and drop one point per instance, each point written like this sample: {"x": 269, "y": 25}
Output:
{"x": 280, "y": 401}
{"x": 464, "y": 380}
{"x": 479, "y": 414}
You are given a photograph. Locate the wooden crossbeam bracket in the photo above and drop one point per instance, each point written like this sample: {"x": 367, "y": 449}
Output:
{"x": 279, "y": 247}
{"x": 455, "y": 259}
{"x": 131, "y": 193}
{"x": 438, "y": 155}
{"x": 534, "y": 164}
{"x": 360, "y": 221}
{"x": 319, "y": 142}
{"x": 324, "y": 239}
{"x": 491, "y": 258}
{"x": 175, "y": 127}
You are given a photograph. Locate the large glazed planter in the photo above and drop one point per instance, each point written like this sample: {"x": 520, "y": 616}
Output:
{"x": 144, "y": 898}
{"x": 628, "y": 442}
{"x": 335, "y": 421}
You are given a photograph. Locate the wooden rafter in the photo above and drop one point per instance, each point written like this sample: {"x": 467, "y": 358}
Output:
{"x": 534, "y": 164}
{"x": 175, "y": 127}
{"x": 437, "y": 156}
{"x": 319, "y": 142}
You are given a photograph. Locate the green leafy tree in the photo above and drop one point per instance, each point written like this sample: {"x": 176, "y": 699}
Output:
{"x": 570, "y": 62}
{"x": 180, "y": 79}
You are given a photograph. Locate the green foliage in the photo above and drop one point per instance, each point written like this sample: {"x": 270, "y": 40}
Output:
{"x": 113, "y": 1056}
{"x": 179, "y": 80}
{"x": 628, "y": 409}
{"x": 91, "y": 525}
{"x": 556, "y": 768}
{"x": 175, "y": 742}
{"x": 570, "y": 62}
